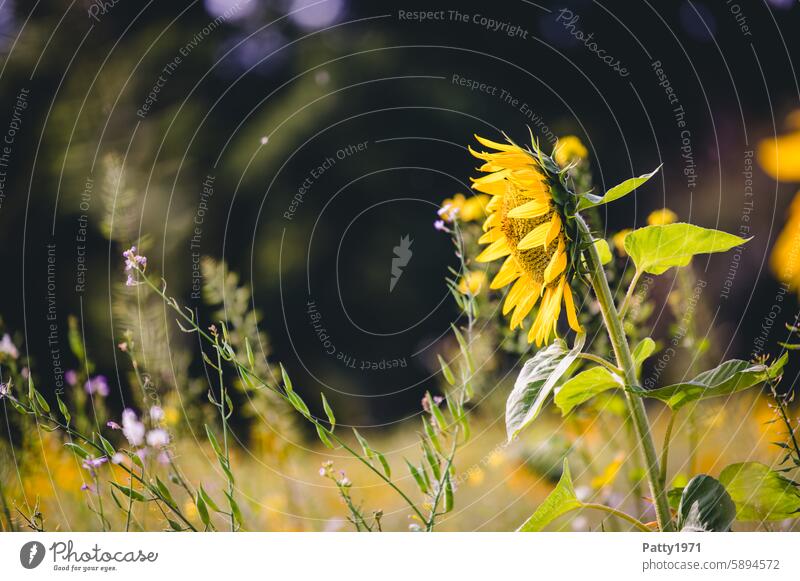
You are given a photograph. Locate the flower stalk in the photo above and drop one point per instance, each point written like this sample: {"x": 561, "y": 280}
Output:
{"x": 622, "y": 353}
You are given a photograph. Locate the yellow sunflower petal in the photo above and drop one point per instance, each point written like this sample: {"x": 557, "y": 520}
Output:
{"x": 497, "y": 249}
{"x": 524, "y": 307}
{"x": 515, "y": 294}
{"x": 555, "y": 229}
{"x": 491, "y": 236}
{"x": 557, "y": 264}
{"x": 495, "y": 145}
{"x": 532, "y": 209}
{"x": 534, "y": 238}
{"x": 572, "y": 315}
{"x": 507, "y": 274}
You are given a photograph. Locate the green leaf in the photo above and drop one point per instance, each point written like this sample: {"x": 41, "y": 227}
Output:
{"x": 462, "y": 344}
{"x": 417, "y": 478}
{"x": 251, "y": 360}
{"x": 386, "y": 468}
{"x": 446, "y": 371}
{"x": 129, "y": 492}
{"x": 535, "y": 382}
{"x": 656, "y": 249}
{"x": 615, "y": 193}
{"x": 287, "y": 383}
{"x": 63, "y": 409}
{"x": 603, "y": 250}
{"x": 725, "y": 379}
{"x": 364, "y": 445}
{"x": 644, "y": 349}
{"x": 323, "y": 436}
{"x": 213, "y": 440}
{"x": 165, "y": 493}
{"x": 584, "y": 387}
{"x": 560, "y": 501}
{"x": 760, "y": 493}
{"x": 77, "y": 449}
{"x": 106, "y": 445}
{"x": 705, "y": 506}
{"x": 208, "y": 500}
{"x": 328, "y": 411}
{"x": 202, "y": 509}
{"x": 298, "y": 403}
{"x": 235, "y": 511}
{"x": 448, "y": 493}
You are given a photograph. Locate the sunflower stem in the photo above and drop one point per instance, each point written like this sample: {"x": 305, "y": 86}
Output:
{"x": 622, "y": 352}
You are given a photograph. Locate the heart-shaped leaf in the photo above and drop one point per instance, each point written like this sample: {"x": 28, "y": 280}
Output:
{"x": 584, "y": 387}
{"x": 656, "y": 249}
{"x": 615, "y": 193}
{"x": 705, "y": 506}
{"x": 760, "y": 493}
{"x": 725, "y": 379}
{"x": 535, "y": 382}
{"x": 560, "y": 501}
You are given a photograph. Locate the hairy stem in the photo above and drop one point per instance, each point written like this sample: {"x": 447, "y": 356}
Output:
{"x": 619, "y": 514}
{"x": 622, "y": 352}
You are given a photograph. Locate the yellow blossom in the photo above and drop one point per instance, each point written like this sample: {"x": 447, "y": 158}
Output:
{"x": 472, "y": 282}
{"x": 466, "y": 209}
{"x": 526, "y": 227}
{"x": 569, "y": 149}
{"x": 786, "y": 252}
{"x": 661, "y": 217}
{"x": 779, "y": 156}
{"x": 619, "y": 241}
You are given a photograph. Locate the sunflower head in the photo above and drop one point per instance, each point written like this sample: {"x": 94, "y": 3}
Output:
{"x": 531, "y": 226}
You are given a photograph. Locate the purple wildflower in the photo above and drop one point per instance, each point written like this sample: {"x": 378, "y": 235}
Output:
{"x": 157, "y": 438}
{"x": 97, "y": 385}
{"x": 7, "y": 346}
{"x": 71, "y": 376}
{"x": 132, "y": 428}
{"x": 156, "y": 413}
{"x": 113, "y": 425}
{"x": 133, "y": 262}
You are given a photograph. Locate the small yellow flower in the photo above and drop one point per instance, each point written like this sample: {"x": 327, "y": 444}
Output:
{"x": 472, "y": 282}
{"x": 619, "y": 241}
{"x": 661, "y": 217}
{"x": 779, "y": 156}
{"x": 569, "y": 149}
{"x": 785, "y": 257}
{"x": 463, "y": 208}
{"x": 527, "y": 225}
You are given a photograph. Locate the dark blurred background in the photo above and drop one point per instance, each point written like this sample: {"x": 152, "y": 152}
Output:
{"x": 131, "y": 107}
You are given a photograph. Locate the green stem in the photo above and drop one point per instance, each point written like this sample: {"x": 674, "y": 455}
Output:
{"x": 626, "y": 303}
{"x": 619, "y": 514}
{"x": 625, "y": 362}
{"x": 607, "y": 364}
{"x": 665, "y": 448}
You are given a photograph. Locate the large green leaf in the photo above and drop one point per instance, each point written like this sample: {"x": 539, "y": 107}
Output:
{"x": 560, "y": 501}
{"x": 729, "y": 377}
{"x": 618, "y": 191}
{"x": 760, "y": 493}
{"x": 656, "y": 249}
{"x": 535, "y": 382}
{"x": 705, "y": 506}
{"x": 584, "y": 387}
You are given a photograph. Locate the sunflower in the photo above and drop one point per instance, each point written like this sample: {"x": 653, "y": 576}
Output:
{"x": 528, "y": 225}
{"x": 786, "y": 253}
